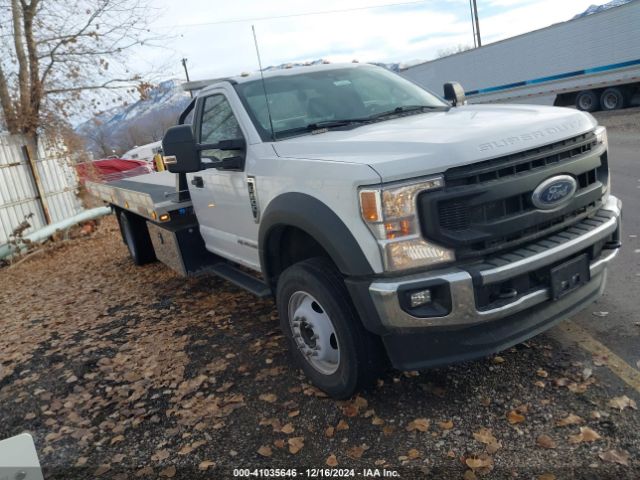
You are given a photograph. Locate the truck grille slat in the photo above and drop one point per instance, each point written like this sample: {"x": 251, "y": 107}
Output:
{"x": 487, "y": 206}
{"x": 519, "y": 162}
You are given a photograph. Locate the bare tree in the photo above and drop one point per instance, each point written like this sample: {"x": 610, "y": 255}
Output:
{"x": 54, "y": 53}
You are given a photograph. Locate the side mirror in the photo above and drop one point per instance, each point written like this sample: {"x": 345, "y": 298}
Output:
{"x": 454, "y": 93}
{"x": 232, "y": 163}
{"x": 180, "y": 152}
{"x": 233, "y": 144}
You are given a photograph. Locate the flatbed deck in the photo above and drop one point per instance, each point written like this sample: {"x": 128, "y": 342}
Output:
{"x": 151, "y": 196}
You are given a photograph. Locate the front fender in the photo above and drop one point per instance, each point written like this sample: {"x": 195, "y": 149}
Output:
{"x": 309, "y": 214}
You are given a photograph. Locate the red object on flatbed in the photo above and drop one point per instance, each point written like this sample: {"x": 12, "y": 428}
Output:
{"x": 109, "y": 169}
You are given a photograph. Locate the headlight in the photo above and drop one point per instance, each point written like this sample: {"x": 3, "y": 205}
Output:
{"x": 601, "y": 136}
{"x": 391, "y": 214}
{"x": 602, "y": 139}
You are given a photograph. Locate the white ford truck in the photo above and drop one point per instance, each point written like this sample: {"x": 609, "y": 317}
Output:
{"x": 391, "y": 226}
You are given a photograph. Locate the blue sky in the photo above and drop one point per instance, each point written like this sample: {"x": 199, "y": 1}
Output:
{"x": 210, "y": 35}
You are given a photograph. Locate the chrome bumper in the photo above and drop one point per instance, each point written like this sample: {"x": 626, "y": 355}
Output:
{"x": 384, "y": 293}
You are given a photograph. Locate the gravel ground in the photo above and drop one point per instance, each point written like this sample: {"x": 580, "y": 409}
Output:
{"x": 133, "y": 372}
{"x": 621, "y": 122}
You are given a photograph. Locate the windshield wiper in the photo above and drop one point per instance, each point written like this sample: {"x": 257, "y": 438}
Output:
{"x": 354, "y": 121}
{"x": 336, "y": 123}
{"x": 406, "y": 109}
{"x": 345, "y": 122}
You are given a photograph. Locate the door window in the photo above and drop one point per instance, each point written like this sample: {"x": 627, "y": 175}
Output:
{"x": 218, "y": 123}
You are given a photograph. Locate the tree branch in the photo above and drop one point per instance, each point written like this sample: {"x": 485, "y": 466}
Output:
{"x": 60, "y": 48}
{"x": 69, "y": 38}
{"x": 23, "y": 72}
{"x": 6, "y": 103}
{"x": 107, "y": 84}
{"x": 28, "y": 12}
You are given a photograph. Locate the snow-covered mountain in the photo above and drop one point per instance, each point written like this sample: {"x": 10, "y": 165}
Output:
{"x": 123, "y": 127}
{"x": 167, "y": 94}
{"x": 601, "y": 8}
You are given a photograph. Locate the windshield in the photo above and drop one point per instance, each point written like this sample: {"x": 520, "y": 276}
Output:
{"x": 299, "y": 103}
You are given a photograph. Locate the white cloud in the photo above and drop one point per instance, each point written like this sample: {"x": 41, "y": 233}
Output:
{"x": 507, "y": 3}
{"x": 530, "y": 17}
{"x": 377, "y": 34}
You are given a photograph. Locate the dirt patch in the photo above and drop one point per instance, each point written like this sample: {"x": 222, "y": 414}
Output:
{"x": 133, "y": 372}
{"x": 625, "y": 121}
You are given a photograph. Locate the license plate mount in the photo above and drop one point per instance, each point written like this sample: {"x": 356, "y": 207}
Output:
{"x": 570, "y": 275}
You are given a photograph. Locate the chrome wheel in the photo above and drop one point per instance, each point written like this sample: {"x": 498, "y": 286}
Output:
{"x": 314, "y": 333}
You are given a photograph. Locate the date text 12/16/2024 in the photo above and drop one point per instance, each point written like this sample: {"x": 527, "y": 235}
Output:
{"x": 315, "y": 473}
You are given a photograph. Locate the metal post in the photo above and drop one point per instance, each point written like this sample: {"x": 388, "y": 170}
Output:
{"x": 186, "y": 72}
{"x": 477, "y": 23}
{"x": 33, "y": 168}
{"x": 182, "y": 187}
{"x": 473, "y": 25}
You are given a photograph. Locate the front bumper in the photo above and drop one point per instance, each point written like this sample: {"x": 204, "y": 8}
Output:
{"x": 468, "y": 331}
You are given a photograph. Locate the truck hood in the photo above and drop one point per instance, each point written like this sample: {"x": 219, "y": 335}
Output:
{"x": 432, "y": 142}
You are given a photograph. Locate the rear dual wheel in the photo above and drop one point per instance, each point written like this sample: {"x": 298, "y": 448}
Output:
{"x": 587, "y": 101}
{"x": 613, "y": 99}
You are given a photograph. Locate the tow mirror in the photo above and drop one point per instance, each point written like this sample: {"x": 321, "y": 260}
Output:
{"x": 454, "y": 93}
{"x": 233, "y": 144}
{"x": 235, "y": 162}
{"x": 180, "y": 152}
{"x": 232, "y": 163}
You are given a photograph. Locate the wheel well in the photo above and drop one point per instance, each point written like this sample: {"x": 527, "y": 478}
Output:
{"x": 285, "y": 246}
{"x": 565, "y": 99}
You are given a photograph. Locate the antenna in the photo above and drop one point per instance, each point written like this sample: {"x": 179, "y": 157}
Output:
{"x": 264, "y": 85}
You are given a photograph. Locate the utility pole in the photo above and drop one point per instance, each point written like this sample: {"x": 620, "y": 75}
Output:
{"x": 473, "y": 25}
{"x": 476, "y": 24}
{"x": 186, "y": 72}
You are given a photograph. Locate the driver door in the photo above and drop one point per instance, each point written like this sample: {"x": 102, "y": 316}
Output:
{"x": 219, "y": 193}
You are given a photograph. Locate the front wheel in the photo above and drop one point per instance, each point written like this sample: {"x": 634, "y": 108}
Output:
{"x": 326, "y": 337}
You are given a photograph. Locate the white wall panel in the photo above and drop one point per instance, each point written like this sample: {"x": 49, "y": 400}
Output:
{"x": 18, "y": 193}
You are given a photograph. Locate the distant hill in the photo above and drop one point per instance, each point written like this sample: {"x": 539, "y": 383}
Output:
{"x": 123, "y": 127}
{"x": 601, "y": 8}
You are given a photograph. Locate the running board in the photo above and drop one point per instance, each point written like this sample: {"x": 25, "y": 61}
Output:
{"x": 241, "y": 279}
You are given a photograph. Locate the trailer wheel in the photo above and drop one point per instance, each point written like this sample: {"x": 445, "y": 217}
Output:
{"x": 587, "y": 101}
{"x": 325, "y": 334}
{"x": 612, "y": 98}
{"x": 136, "y": 236}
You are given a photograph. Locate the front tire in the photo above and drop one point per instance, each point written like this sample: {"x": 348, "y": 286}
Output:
{"x": 325, "y": 335}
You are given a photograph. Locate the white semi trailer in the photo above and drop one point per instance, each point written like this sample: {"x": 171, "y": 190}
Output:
{"x": 592, "y": 62}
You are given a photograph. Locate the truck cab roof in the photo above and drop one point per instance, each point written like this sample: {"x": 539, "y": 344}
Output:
{"x": 202, "y": 86}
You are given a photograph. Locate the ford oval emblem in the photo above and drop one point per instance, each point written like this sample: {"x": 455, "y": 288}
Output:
{"x": 554, "y": 192}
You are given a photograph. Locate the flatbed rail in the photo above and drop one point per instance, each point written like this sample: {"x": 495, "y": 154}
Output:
{"x": 152, "y": 196}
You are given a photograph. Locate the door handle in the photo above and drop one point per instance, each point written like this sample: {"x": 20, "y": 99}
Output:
{"x": 197, "y": 182}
